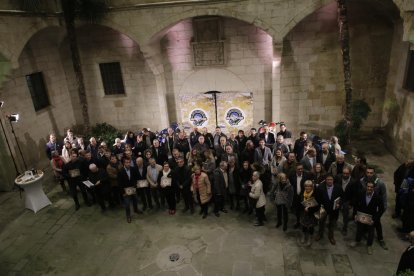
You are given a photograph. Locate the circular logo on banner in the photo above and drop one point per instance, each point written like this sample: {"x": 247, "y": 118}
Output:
{"x": 234, "y": 117}
{"x": 198, "y": 117}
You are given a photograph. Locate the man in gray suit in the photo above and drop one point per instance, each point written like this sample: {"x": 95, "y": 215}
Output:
{"x": 263, "y": 157}
{"x": 309, "y": 160}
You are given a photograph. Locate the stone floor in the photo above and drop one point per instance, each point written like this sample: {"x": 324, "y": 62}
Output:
{"x": 59, "y": 241}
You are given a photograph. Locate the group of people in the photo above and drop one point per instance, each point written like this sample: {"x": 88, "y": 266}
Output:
{"x": 309, "y": 177}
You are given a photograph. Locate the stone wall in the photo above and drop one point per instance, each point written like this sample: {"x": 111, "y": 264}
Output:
{"x": 312, "y": 91}
{"x": 41, "y": 54}
{"x": 397, "y": 118}
{"x": 248, "y": 68}
{"x": 138, "y": 107}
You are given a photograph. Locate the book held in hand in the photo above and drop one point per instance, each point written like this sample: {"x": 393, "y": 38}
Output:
{"x": 88, "y": 183}
{"x": 337, "y": 203}
{"x": 310, "y": 203}
{"x": 364, "y": 218}
{"x": 130, "y": 190}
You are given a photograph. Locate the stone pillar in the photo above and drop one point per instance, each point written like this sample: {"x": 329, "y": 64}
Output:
{"x": 153, "y": 57}
{"x": 276, "y": 76}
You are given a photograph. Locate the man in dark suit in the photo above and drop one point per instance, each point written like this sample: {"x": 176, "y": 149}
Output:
{"x": 299, "y": 148}
{"x": 370, "y": 203}
{"x": 52, "y": 145}
{"x": 325, "y": 157}
{"x": 183, "y": 175}
{"x": 219, "y": 188}
{"x": 407, "y": 258}
{"x": 182, "y": 144}
{"x": 309, "y": 160}
{"x": 284, "y": 132}
{"x": 127, "y": 178}
{"x": 268, "y": 137}
{"x": 402, "y": 172}
{"x": 217, "y": 135}
{"x": 143, "y": 191}
{"x": 148, "y": 137}
{"x": 159, "y": 153}
{"x": 327, "y": 194}
{"x": 347, "y": 184}
{"x": 296, "y": 180}
{"x": 254, "y": 137}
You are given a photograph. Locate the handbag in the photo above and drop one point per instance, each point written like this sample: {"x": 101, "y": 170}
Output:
{"x": 321, "y": 213}
{"x": 142, "y": 183}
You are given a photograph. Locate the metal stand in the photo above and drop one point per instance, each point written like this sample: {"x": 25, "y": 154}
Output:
{"x": 214, "y": 94}
{"x": 18, "y": 145}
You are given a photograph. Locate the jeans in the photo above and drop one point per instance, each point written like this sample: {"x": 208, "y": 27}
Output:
{"x": 128, "y": 199}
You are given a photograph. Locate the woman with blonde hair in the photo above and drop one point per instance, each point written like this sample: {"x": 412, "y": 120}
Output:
{"x": 310, "y": 205}
{"x": 201, "y": 189}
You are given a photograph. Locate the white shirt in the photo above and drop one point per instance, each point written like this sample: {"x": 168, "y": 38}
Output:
{"x": 298, "y": 188}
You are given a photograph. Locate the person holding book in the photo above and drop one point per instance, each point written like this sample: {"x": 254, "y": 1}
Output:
{"x": 309, "y": 205}
{"x": 167, "y": 182}
{"x": 127, "y": 180}
{"x": 369, "y": 209}
{"x": 329, "y": 196}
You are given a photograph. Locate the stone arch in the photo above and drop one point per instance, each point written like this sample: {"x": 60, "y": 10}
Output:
{"x": 25, "y": 37}
{"x": 161, "y": 28}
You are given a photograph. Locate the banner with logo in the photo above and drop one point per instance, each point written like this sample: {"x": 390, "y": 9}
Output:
{"x": 234, "y": 111}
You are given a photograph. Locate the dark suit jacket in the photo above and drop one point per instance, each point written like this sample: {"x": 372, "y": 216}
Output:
{"x": 123, "y": 179}
{"x": 270, "y": 139}
{"x": 293, "y": 180}
{"x": 219, "y": 183}
{"x": 161, "y": 157}
{"x": 142, "y": 176}
{"x": 324, "y": 198}
{"x": 299, "y": 149}
{"x": 329, "y": 159}
{"x": 375, "y": 208}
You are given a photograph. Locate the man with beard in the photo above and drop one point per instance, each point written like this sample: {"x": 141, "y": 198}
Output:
{"x": 208, "y": 138}
{"x": 325, "y": 157}
{"x": 248, "y": 153}
{"x": 280, "y": 144}
{"x": 183, "y": 175}
{"x": 194, "y": 137}
{"x": 218, "y": 135}
{"x": 289, "y": 166}
{"x": 381, "y": 190}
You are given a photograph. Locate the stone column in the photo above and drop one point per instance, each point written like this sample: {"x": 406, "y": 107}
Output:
{"x": 153, "y": 57}
{"x": 276, "y": 76}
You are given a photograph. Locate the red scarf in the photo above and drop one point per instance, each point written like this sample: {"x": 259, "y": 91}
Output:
{"x": 196, "y": 180}
{"x": 58, "y": 162}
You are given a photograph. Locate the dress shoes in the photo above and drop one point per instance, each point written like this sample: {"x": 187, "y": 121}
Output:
{"x": 217, "y": 214}
{"x": 258, "y": 224}
{"x": 318, "y": 237}
{"x": 204, "y": 216}
{"x": 77, "y": 207}
{"x": 332, "y": 240}
{"x": 129, "y": 219}
{"x": 224, "y": 211}
{"x": 296, "y": 226}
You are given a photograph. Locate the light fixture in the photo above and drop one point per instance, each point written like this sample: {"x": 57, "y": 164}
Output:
{"x": 14, "y": 118}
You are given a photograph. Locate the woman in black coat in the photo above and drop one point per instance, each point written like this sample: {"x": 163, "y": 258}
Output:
{"x": 168, "y": 183}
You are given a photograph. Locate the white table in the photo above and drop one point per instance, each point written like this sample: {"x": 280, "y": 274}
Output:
{"x": 35, "y": 198}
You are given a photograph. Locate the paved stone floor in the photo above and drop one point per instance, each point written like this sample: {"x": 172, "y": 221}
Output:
{"x": 59, "y": 241}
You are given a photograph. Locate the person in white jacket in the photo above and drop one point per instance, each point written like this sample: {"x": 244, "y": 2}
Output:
{"x": 258, "y": 194}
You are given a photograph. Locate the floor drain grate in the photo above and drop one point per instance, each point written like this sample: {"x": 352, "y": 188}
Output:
{"x": 174, "y": 257}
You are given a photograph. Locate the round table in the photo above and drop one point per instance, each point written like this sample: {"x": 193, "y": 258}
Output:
{"x": 35, "y": 198}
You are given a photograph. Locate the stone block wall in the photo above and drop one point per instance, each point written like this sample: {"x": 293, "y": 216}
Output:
{"x": 41, "y": 54}
{"x": 248, "y": 54}
{"x": 312, "y": 91}
{"x": 398, "y": 115}
{"x": 138, "y": 107}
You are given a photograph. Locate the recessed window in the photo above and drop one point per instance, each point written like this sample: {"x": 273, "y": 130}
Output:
{"x": 409, "y": 73}
{"x": 37, "y": 90}
{"x": 112, "y": 78}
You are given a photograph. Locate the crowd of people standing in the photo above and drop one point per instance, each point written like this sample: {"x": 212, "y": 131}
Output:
{"x": 306, "y": 177}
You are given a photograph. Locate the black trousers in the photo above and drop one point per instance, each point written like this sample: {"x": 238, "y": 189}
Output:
{"x": 282, "y": 213}
{"x": 188, "y": 198}
{"x": 169, "y": 193}
{"x": 361, "y": 228}
{"x": 332, "y": 218}
{"x": 218, "y": 203}
{"x": 378, "y": 228}
{"x": 101, "y": 194}
{"x": 260, "y": 214}
{"x": 128, "y": 199}
{"x": 155, "y": 195}
{"x": 233, "y": 199}
{"x": 73, "y": 184}
{"x": 398, "y": 205}
{"x": 345, "y": 214}
{"x": 116, "y": 195}
{"x": 145, "y": 197}
{"x": 204, "y": 207}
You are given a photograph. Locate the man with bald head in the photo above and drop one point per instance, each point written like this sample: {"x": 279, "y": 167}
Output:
{"x": 100, "y": 179}
{"x": 326, "y": 157}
